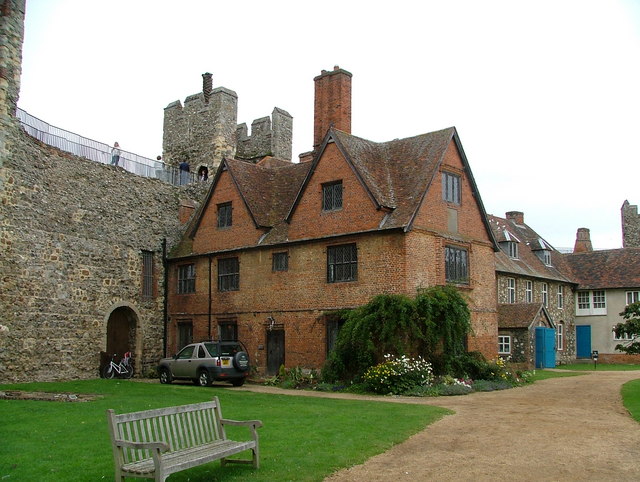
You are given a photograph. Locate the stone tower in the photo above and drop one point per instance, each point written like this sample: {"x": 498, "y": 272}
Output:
{"x": 630, "y": 225}
{"x": 202, "y": 132}
{"x": 205, "y": 130}
{"x": 11, "y": 37}
{"x": 269, "y": 136}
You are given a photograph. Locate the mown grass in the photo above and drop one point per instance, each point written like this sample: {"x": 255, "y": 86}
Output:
{"x": 631, "y": 398}
{"x": 303, "y": 438}
{"x": 545, "y": 374}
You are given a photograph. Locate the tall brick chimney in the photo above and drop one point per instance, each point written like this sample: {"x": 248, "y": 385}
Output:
{"x": 332, "y": 103}
{"x": 583, "y": 241}
{"x": 207, "y": 86}
{"x": 516, "y": 216}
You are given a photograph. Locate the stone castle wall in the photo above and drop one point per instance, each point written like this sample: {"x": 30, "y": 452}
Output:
{"x": 72, "y": 237}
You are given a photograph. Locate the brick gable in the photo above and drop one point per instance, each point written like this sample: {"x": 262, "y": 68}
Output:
{"x": 358, "y": 211}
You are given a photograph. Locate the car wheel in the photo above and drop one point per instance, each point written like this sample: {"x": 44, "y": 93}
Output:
{"x": 238, "y": 382}
{"x": 165, "y": 376}
{"x": 241, "y": 361}
{"x": 204, "y": 379}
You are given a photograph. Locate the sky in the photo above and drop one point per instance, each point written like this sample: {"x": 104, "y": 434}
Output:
{"x": 545, "y": 94}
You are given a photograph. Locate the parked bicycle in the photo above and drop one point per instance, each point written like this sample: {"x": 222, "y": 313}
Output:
{"x": 124, "y": 369}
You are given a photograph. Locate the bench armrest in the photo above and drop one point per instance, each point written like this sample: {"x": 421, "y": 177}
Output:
{"x": 160, "y": 446}
{"x": 252, "y": 424}
{"x": 246, "y": 423}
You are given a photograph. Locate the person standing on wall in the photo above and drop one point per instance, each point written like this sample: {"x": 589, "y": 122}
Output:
{"x": 184, "y": 173}
{"x": 115, "y": 154}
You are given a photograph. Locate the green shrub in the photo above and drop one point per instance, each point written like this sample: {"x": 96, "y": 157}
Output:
{"x": 434, "y": 325}
{"x": 398, "y": 375}
{"x": 295, "y": 377}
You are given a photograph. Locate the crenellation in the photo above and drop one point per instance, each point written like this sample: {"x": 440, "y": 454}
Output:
{"x": 204, "y": 130}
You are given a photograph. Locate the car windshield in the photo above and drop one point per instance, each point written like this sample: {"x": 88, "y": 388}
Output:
{"x": 212, "y": 348}
{"x": 229, "y": 349}
{"x": 225, "y": 349}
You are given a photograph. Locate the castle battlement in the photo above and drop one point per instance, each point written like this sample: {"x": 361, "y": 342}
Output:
{"x": 204, "y": 130}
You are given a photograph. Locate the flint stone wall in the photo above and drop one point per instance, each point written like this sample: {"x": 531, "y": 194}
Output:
{"x": 71, "y": 237}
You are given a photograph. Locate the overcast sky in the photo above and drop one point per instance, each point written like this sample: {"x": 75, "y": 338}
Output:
{"x": 545, "y": 94}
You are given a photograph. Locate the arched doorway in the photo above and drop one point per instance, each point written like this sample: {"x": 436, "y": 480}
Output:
{"x": 122, "y": 327}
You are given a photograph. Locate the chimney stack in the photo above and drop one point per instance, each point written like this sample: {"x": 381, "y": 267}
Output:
{"x": 207, "y": 86}
{"x": 516, "y": 216}
{"x": 332, "y": 106}
{"x": 583, "y": 241}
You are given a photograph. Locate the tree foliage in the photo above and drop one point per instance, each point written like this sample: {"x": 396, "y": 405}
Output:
{"x": 434, "y": 325}
{"x": 630, "y": 327}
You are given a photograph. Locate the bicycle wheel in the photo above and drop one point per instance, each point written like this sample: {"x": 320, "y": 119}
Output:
{"x": 128, "y": 371}
{"x": 108, "y": 371}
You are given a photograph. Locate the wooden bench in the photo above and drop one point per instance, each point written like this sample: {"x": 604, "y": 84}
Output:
{"x": 153, "y": 444}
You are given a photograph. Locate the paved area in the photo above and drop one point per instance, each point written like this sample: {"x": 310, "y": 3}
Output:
{"x": 561, "y": 429}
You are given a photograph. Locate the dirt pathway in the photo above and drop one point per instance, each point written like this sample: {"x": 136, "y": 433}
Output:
{"x": 561, "y": 429}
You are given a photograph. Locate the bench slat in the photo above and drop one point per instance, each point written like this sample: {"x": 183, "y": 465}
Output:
{"x": 194, "y": 435}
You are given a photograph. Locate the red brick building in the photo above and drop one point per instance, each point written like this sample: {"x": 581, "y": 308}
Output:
{"x": 276, "y": 247}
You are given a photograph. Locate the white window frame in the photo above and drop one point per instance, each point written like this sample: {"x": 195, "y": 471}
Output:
{"x": 513, "y": 249}
{"x": 632, "y": 297}
{"x": 599, "y": 302}
{"x": 545, "y": 294}
{"x": 560, "y": 297}
{"x": 560, "y": 336}
{"x": 504, "y": 344}
{"x": 591, "y": 303}
{"x": 625, "y": 336}
{"x": 511, "y": 290}
{"x": 528, "y": 291}
{"x": 546, "y": 256}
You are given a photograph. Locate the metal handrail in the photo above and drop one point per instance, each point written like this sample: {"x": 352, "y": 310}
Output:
{"x": 100, "y": 152}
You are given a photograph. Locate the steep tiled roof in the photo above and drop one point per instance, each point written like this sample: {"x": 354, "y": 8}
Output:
{"x": 396, "y": 174}
{"x": 267, "y": 191}
{"x": 607, "y": 269}
{"x": 520, "y": 315}
{"x": 529, "y": 242}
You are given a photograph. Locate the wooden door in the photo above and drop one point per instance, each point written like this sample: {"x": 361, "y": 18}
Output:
{"x": 275, "y": 351}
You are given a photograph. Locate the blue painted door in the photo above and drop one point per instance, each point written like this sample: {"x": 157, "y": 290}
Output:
{"x": 545, "y": 347}
{"x": 583, "y": 341}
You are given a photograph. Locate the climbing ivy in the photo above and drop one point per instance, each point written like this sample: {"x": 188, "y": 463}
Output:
{"x": 434, "y": 325}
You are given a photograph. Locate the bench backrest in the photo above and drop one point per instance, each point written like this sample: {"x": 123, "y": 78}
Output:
{"x": 180, "y": 427}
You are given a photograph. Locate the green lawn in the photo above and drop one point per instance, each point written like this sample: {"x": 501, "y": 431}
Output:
{"x": 544, "y": 374}
{"x": 631, "y": 398}
{"x": 303, "y": 438}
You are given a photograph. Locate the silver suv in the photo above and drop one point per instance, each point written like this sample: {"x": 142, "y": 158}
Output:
{"x": 205, "y": 362}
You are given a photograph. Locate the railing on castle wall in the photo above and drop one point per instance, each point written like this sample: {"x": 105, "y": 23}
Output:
{"x": 100, "y": 152}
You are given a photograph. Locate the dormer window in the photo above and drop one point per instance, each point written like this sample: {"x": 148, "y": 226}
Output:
{"x": 512, "y": 248}
{"x": 545, "y": 256}
{"x": 332, "y": 196}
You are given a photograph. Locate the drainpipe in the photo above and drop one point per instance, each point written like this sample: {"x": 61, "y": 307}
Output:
{"x": 209, "y": 311}
{"x": 165, "y": 314}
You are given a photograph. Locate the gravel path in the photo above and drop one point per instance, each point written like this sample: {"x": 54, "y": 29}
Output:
{"x": 561, "y": 429}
